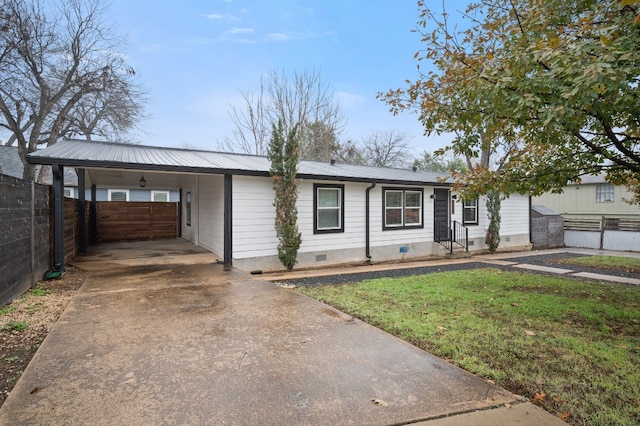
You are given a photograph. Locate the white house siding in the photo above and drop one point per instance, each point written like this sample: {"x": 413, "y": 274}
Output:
{"x": 514, "y": 224}
{"x": 386, "y": 244}
{"x": 347, "y": 246}
{"x": 255, "y": 242}
{"x": 190, "y": 232}
{"x": 211, "y": 213}
{"x": 254, "y": 235}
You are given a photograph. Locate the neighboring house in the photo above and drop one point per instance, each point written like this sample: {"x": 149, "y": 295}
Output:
{"x": 593, "y": 198}
{"x": 10, "y": 164}
{"x": 346, "y": 213}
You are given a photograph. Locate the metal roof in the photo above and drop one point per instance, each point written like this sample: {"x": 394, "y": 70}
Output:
{"x": 11, "y": 164}
{"x": 85, "y": 154}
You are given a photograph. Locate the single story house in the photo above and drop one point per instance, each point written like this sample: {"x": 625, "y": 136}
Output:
{"x": 346, "y": 213}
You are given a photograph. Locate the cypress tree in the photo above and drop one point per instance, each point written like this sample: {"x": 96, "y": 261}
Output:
{"x": 283, "y": 153}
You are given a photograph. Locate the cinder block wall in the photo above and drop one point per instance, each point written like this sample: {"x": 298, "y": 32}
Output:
{"x": 25, "y": 235}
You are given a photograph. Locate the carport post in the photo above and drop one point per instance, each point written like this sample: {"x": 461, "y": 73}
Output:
{"x": 228, "y": 220}
{"x": 58, "y": 217}
{"x": 82, "y": 212}
{"x": 93, "y": 220}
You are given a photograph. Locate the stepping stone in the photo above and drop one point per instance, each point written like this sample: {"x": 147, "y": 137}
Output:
{"x": 539, "y": 268}
{"x": 611, "y": 278}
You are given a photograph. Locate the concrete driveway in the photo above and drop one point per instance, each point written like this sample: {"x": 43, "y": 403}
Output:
{"x": 158, "y": 341}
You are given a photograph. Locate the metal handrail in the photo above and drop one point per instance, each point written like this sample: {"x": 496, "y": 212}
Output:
{"x": 456, "y": 234}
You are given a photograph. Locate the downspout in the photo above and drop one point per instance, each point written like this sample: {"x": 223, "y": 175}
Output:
{"x": 366, "y": 218}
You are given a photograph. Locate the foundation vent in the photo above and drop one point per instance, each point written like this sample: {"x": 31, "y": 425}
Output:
{"x": 321, "y": 258}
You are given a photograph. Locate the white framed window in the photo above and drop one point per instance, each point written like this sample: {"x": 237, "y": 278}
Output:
{"x": 402, "y": 208}
{"x": 160, "y": 196}
{"x": 470, "y": 212}
{"x": 328, "y": 201}
{"x": 604, "y": 193}
{"x": 118, "y": 195}
{"x": 69, "y": 191}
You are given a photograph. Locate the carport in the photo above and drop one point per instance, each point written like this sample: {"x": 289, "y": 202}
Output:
{"x": 111, "y": 165}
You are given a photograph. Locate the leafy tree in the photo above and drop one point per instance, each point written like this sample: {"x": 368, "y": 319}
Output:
{"x": 550, "y": 86}
{"x": 283, "y": 153}
{"x": 54, "y": 56}
{"x": 302, "y": 100}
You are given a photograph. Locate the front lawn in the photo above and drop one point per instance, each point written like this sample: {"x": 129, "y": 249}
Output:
{"x": 570, "y": 346}
{"x": 615, "y": 263}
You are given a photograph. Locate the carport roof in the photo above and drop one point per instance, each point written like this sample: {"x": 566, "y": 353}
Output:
{"x": 85, "y": 154}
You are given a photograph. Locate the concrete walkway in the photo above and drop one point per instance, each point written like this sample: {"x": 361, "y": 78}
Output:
{"x": 178, "y": 340}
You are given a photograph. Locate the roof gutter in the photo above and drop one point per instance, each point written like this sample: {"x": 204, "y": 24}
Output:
{"x": 367, "y": 232}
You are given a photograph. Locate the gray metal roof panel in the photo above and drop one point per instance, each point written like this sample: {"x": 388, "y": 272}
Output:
{"x": 80, "y": 153}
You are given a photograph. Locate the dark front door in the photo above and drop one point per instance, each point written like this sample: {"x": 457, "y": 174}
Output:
{"x": 441, "y": 214}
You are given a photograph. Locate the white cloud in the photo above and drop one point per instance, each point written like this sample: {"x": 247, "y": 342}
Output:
{"x": 213, "y": 16}
{"x": 277, "y": 37}
{"x": 349, "y": 100}
{"x": 239, "y": 31}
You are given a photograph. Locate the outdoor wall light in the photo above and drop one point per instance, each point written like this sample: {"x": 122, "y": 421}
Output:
{"x": 143, "y": 181}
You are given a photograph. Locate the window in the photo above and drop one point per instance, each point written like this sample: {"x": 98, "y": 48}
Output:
{"x": 328, "y": 202}
{"x": 470, "y": 212}
{"x": 188, "y": 208}
{"x": 68, "y": 191}
{"x": 118, "y": 195}
{"x": 160, "y": 196}
{"x": 604, "y": 193}
{"x": 402, "y": 208}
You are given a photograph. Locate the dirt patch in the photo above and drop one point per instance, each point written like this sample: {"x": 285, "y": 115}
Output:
{"x": 25, "y": 323}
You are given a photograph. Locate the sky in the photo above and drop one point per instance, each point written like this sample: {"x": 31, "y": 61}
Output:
{"x": 194, "y": 58}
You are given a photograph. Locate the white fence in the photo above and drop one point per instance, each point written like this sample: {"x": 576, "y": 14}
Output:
{"x": 606, "y": 233}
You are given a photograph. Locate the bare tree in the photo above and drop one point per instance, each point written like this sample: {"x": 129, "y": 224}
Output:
{"x": 302, "y": 99}
{"x": 109, "y": 114}
{"x": 54, "y": 57}
{"x": 386, "y": 149}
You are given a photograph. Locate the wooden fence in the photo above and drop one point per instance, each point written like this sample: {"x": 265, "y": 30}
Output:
{"x": 132, "y": 221}
{"x": 25, "y": 228}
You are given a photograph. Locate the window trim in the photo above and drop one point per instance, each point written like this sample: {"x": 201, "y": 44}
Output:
{"x": 316, "y": 188}
{"x": 404, "y": 207}
{"x": 111, "y": 191}
{"x": 465, "y": 208}
{"x": 602, "y": 189}
{"x": 161, "y": 192}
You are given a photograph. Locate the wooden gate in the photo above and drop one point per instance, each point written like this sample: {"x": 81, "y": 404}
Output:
{"x": 134, "y": 221}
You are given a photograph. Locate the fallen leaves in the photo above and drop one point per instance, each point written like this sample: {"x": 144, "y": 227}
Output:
{"x": 539, "y": 398}
{"x": 530, "y": 333}
{"x": 564, "y": 416}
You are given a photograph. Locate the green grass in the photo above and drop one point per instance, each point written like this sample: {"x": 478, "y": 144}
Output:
{"x": 40, "y": 290}
{"x": 617, "y": 263}
{"x": 15, "y": 326}
{"x": 6, "y": 309}
{"x": 575, "y": 342}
